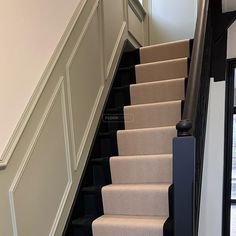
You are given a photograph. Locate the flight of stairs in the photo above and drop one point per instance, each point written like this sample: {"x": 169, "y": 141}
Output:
{"x": 130, "y": 180}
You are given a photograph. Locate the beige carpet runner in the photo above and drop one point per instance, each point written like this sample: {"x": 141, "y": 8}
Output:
{"x": 136, "y": 203}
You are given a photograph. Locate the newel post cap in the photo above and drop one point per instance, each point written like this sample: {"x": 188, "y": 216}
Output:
{"x": 184, "y": 128}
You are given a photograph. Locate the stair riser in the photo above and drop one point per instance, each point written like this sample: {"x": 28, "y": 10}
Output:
{"x": 130, "y": 58}
{"x": 82, "y": 231}
{"x": 113, "y": 126}
{"x": 139, "y": 202}
{"x": 92, "y": 204}
{"x": 148, "y": 116}
{"x": 139, "y": 169}
{"x": 119, "y": 97}
{"x": 161, "y": 71}
{"x": 145, "y": 142}
{"x": 113, "y": 121}
{"x": 166, "y": 51}
{"x": 157, "y": 92}
{"x": 125, "y": 77}
{"x": 101, "y": 175}
{"x": 127, "y": 230}
{"x": 105, "y": 146}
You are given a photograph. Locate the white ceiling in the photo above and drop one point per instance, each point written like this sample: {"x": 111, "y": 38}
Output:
{"x": 229, "y": 5}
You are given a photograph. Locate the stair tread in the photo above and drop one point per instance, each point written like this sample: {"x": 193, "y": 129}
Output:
{"x": 146, "y": 141}
{"x": 142, "y": 156}
{"x": 162, "y": 70}
{"x": 119, "y": 225}
{"x": 166, "y": 51}
{"x": 152, "y": 115}
{"x": 136, "y": 199}
{"x": 154, "y": 104}
{"x": 167, "y": 43}
{"x": 158, "y": 91}
{"x": 157, "y": 82}
{"x": 130, "y": 220}
{"x": 146, "y": 129}
{"x": 162, "y": 62}
{"x": 138, "y": 187}
{"x": 141, "y": 169}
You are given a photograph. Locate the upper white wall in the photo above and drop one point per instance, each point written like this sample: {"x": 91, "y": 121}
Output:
{"x": 30, "y": 31}
{"x": 172, "y": 20}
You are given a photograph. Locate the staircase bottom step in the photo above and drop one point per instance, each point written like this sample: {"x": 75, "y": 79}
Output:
{"x": 119, "y": 225}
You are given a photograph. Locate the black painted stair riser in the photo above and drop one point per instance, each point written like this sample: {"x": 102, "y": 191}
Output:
{"x": 120, "y": 96}
{"x": 82, "y": 226}
{"x": 130, "y": 58}
{"x": 125, "y": 76}
{"x": 92, "y": 200}
{"x": 101, "y": 171}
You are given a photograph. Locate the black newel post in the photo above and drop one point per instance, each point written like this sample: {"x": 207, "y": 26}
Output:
{"x": 183, "y": 179}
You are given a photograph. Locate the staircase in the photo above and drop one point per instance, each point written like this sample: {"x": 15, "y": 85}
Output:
{"x": 127, "y": 187}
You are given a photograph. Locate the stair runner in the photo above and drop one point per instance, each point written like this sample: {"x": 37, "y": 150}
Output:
{"x": 137, "y": 202}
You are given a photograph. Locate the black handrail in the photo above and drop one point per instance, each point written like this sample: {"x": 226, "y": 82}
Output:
{"x": 191, "y": 102}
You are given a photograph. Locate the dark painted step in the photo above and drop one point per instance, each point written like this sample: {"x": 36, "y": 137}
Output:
{"x": 113, "y": 119}
{"x": 83, "y": 226}
{"x": 120, "y": 96}
{"x": 88, "y": 179}
{"x": 168, "y": 226}
{"x": 105, "y": 145}
{"x": 125, "y": 76}
{"x": 101, "y": 171}
{"x": 130, "y": 58}
{"x": 108, "y": 142}
{"x": 92, "y": 200}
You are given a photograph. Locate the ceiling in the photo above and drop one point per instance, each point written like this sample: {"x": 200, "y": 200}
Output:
{"x": 228, "y": 5}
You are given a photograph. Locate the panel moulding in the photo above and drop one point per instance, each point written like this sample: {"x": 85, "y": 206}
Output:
{"x": 120, "y": 35}
{"x": 59, "y": 91}
{"x": 77, "y": 151}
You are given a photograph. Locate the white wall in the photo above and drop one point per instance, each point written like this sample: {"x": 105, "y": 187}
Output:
{"x": 212, "y": 185}
{"x": 212, "y": 189}
{"x": 30, "y": 32}
{"x": 172, "y": 20}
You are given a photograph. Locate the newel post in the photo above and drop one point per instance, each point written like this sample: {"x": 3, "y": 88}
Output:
{"x": 183, "y": 178}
